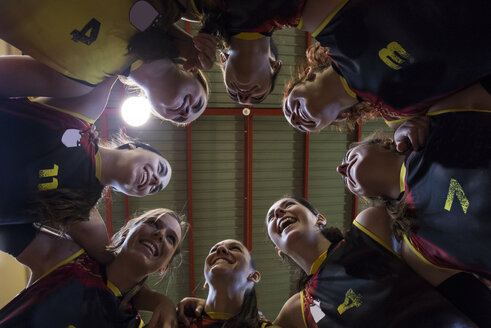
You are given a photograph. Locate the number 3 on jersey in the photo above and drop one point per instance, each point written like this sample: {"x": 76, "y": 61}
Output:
{"x": 88, "y": 34}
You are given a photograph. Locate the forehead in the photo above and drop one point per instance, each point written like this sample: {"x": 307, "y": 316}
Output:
{"x": 280, "y": 203}
{"x": 229, "y": 242}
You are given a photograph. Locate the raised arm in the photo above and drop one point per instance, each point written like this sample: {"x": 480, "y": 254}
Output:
{"x": 23, "y": 76}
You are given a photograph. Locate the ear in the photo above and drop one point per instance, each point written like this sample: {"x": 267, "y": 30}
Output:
{"x": 279, "y": 252}
{"x": 163, "y": 269}
{"x": 310, "y": 76}
{"x": 321, "y": 220}
{"x": 223, "y": 57}
{"x": 254, "y": 277}
{"x": 275, "y": 65}
{"x": 132, "y": 146}
{"x": 125, "y": 233}
{"x": 205, "y": 285}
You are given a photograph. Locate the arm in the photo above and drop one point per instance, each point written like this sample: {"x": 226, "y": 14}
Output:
{"x": 463, "y": 290}
{"x": 164, "y": 310}
{"x": 23, "y": 76}
{"x": 90, "y": 105}
{"x": 290, "y": 315}
{"x": 92, "y": 236}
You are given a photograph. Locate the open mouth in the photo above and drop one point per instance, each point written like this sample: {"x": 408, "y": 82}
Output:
{"x": 221, "y": 259}
{"x": 143, "y": 179}
{"x": 152, "y": 247}
{"x": 285, "y": 223}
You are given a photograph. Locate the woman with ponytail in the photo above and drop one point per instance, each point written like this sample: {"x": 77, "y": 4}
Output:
{"x": 230, "y": 276}
{"x": 355, "y": 280}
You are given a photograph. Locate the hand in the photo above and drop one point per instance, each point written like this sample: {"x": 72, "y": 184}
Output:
{"x": 189, "y": 309}
{"x": 164, "y": 315}
{"x": 206, "y": 45}
{"x": 412, "y": 133}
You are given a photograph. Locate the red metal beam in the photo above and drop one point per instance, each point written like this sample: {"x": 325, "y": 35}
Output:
{"x": 306, "y": 166}
{"x": 248, "y": 182}
{"x": 190, "y": 207}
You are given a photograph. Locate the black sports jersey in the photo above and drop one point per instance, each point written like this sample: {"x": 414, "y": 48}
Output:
{"x": 216, "y": 320}
{"x": 74, "y": 294}
{"x": 405, "y": 55}
{"x": 363, "y": 284}
{"x": 44, "y": 149}
{"x": 447, "y": 185}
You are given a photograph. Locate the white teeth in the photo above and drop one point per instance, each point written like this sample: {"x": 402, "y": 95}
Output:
{"x": 285, "y": 222}
{"x": 151, "y": 246}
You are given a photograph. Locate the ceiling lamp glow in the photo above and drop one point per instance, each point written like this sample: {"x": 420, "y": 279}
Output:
{"x": 135, "y": 111}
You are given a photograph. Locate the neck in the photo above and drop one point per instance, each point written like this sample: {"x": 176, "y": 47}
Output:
{"x": 254, "y": 48}
{"x": 124, "y": 274}
{"x": 109, "y": 160}
{"x": 307, "y": 250}
{"x": 148, "y": 72}
{"x": 392, "y": 185}
{"x": 315, "y": 11}
{"x": 225, "y": 298}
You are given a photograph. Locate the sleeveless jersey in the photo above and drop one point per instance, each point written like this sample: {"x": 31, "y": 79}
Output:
{"x": 83, "y": 39}
{"x": 447, "y": 186}
{"x": 403, "y": 56}
{"x": 74, "y": 294}
{"x": 362, "y": 283}
{"x": 209, "y": 320}
{"x": 45, "y": 149}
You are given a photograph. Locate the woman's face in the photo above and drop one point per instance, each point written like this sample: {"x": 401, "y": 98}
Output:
{"x": 317, "y": 101}
{"x": 248, "y": 80}
{"x": 287, "y": 221}
{"x": 142, "y": 172}
{"x": 153, "y": 241}
{"x": 364, "y": 167}
{"x": 228, "y": 258}
{"x": 178, "y": 96}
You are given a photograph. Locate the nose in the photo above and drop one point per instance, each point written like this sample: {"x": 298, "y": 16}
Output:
{"x": 221, "y": 249}
{"x": 156, "y": 179}
{"x": 244, "y": 98}
{"x": 278, "y": 212}
{"x": 159, "y": 234}
{"x": 295, "y": 120}
{"x": 342, "y": 169}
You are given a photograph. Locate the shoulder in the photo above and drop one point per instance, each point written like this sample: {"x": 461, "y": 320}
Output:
{"x": 377, "y": 221}
{"x": 291, "y": 314}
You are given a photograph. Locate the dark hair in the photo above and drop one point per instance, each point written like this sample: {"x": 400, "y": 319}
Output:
{"x": 139, "y": 145}
{"x": 317, "y": 60}
{"x": 333, "y": 234}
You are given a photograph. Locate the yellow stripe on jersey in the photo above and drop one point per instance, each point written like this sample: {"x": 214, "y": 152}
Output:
{"x": 329, "y": 18}
{"x": 376, "y": 238}
{"x": 402, "y": 178}
{"x": 347, "y": 88}
{"x": 421, "y": 257}
{"x": 114, "y": 289}
{"x": 65, "y": 261}
{"x": 318, "y": 262}
{"x": 443, "y": 111}
{"x": 249, "y": 36}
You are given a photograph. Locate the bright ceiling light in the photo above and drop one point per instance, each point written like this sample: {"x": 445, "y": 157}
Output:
{"x": 135, "y": 111}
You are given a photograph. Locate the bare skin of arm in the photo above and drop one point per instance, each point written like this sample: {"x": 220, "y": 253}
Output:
{"x": 164, "y": 310}
{"x": 23, "y": 76}
{"x": 290, "y": 315}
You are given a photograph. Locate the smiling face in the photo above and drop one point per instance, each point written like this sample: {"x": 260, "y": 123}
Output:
{"x": 152, "y": 242}
{"x": 142, "y": 172}
{"x": 365, "y": 168}
{"x": 178, "y": 96}
{"x": 317, "y": 101}
{"x": 288, "y": 222}
{"x": 229, "y": 260}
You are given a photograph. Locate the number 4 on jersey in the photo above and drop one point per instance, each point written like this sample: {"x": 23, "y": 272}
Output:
{"x": 455, "y": 189}
{"x": 88, "y": 34}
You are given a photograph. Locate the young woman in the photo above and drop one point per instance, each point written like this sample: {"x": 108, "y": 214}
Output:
{"x": 57, "y": 171}
{"x": 230, "y": 276}
{"x": 91, "y": 43}
{"x": 358, "y": 279}
{"x": 406, "y": 61}
{"x": 78, "y": 292}
{"x": 444, "y": 186}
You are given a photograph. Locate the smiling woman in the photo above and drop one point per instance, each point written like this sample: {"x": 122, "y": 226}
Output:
{"x": 83, "y": 293}
{"x": 230, "y": 275}
{"x": 358, "y": 277}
